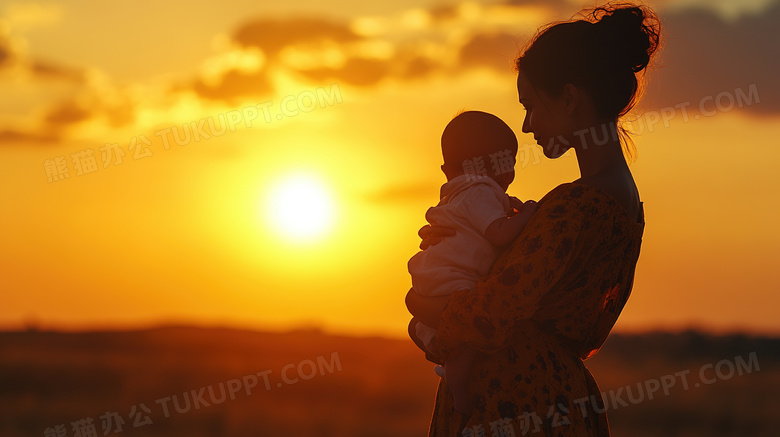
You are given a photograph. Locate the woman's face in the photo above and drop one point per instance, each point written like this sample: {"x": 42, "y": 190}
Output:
{"x": 545, "y": 118}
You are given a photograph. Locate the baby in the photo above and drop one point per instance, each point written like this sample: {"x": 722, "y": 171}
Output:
{"x": 479, "y": 158}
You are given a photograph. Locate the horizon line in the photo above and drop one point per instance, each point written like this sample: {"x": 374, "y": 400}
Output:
{"x": 36, "y": 327}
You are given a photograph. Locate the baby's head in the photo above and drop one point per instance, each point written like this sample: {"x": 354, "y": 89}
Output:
{"x": 479, "y": 144}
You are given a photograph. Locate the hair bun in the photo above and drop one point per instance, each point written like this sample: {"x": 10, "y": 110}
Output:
{"x": 601, "y": 52}
{"x": 630, "y": 34}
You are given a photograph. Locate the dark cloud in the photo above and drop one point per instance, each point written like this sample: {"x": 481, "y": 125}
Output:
{"x": 703, "y": 55}
{"x": 50, "y": 70}
{"x": 401, "y": 193}
{"x": 364, "y": 72}
{"x": 38, "y": 68}
{"x": 73, "y": 111}
{"x": 494, "y": 50}
{"x": 5, "y": 55}
{"x": 16, "y": 136}
{"x": 61, "y": 114}
{"x": 50, "y": 130}
{"x": 271, "y": 35}
{"x": 356, "y": 71}
{"x": 234, "y": 85}
{"x": 416, "y": 67}
{"x": 534, "y": 2}
{"x": 450, "y": 11}
{"x": 444, "y": 12}
{"x": 564, "y": 8}
{"x": 67, "y": 112}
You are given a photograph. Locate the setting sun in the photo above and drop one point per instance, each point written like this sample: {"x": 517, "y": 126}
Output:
{"x": 288, "y": 155}
{"x": 208, "y": 216}
{"x": 300, "y": 207}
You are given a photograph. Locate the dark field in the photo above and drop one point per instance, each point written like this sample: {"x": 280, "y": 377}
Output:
{"x": 225, "y": 382}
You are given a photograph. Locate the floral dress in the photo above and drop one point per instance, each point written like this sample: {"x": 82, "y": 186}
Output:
{"x": 548, "y": 304}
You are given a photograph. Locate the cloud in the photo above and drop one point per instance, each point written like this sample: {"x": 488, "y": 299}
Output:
{"x": 49, "y": 70}
{"x": 17, "y": 136}
{"x": 233, "y": 85}
{"x": 273, "y": 35}
{"x": 494, "y": 50}
{"x": 356, "y": 71}
{"x": 445, "y": 12}
{"x": 6, "y": 56}
{"x": 27, "y": 73}
{"x": 318, "y": 50}
{"x": 402, "y": 193}
{"x": 58, "y": 120}
{"x": 366, "y": 72}
{"x": 411, "y": 45}
{"x": 704, "y": 55}
{"x": 559, "y": 5}
{"x": 11, "y": 57}
{"x": 67, "y": 112}
{"x": 417, "y": 67}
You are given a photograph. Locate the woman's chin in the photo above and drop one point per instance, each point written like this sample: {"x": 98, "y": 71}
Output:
{"x": 554, "y": 152}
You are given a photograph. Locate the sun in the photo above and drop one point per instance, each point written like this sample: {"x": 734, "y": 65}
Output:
{"x": 300, "y": 207}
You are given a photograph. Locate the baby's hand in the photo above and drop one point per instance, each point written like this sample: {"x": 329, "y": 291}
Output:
{"x": 529, "y": 206}
{"x": 515, "y": 203}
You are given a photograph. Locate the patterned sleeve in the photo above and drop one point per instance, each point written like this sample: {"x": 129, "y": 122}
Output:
{"x": 502, "y": 302}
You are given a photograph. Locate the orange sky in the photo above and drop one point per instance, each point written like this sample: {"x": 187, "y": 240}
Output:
{"x": 357, "y": 95}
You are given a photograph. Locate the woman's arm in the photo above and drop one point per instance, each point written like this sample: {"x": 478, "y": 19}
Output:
{"x": 502, "y": 304}
{"x": 426, "y": 309}
{"x": 506, "y": 229}
{"x": 432, "y": 235}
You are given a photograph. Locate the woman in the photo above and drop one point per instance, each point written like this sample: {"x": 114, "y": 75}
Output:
{"x": 555, "y": 293}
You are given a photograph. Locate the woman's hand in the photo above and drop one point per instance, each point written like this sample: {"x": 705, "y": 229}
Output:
{"x": 529, "y": 207}
{"x": 413, "y": 335}
{"x": 432, "y": 235}
{"x": 426, "y": 309}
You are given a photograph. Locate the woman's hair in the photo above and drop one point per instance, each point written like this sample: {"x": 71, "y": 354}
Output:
{"x": 601, "y": 53}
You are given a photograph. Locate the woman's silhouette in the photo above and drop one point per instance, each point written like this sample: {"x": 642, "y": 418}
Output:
{"x": 553, "y": 296}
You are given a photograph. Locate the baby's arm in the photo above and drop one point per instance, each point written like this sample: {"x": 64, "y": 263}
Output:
{"x": 505, "y": 229}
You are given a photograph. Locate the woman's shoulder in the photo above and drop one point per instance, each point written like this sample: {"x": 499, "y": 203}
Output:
{"x": 617, "y": 185}
{"x": 570, "y": 192}
{"x": 578, "y": 200}
{"x": 569, "y": 202}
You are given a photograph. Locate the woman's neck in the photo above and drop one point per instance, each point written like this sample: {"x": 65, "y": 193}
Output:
{"x": 599, "y": 149}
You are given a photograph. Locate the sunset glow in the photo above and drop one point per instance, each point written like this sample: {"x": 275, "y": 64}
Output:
{"x": 268, "y": 164}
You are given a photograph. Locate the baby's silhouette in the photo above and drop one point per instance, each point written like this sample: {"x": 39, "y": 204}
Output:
{"x": 479, "y": 158}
